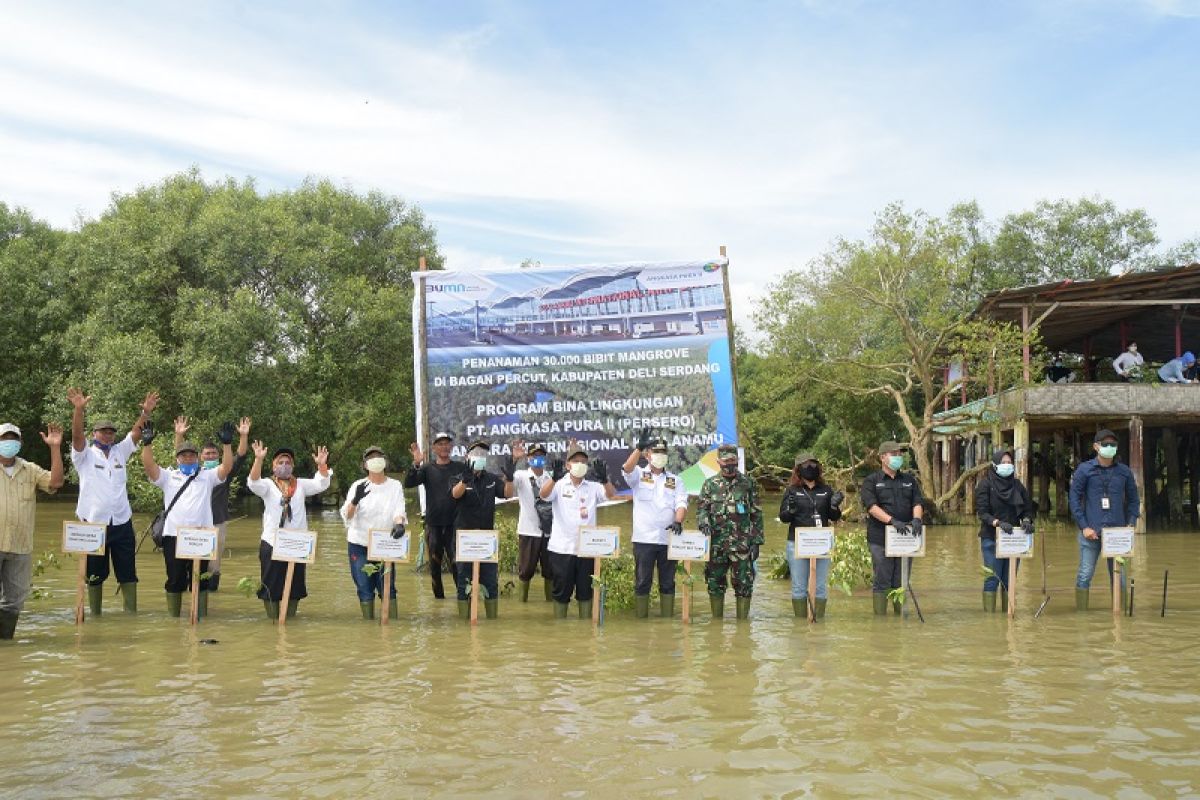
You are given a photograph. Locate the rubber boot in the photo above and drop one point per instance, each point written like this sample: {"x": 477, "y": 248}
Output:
{"x": 585, "y": 609}
{"x": 214, "y": 581}
{"x": 464, "y": 609}
{"x": 717, "y": 602}
{"x": 292, "y": 607}
{"x": 666, "y": 605}
{"x": 368, "y": 608}
{"x": 1081, "y": 599}
{"x": 491, "y": 608}
{"x": 393, "y": 609}
{"x": 8, "y": 624}
{"x": 641, "y": 605}
{"x": 95, "y": 599}
{"x": 820, "y": 607}
{"x": 1124, "y": 600}
{"x": 799, "y": 607}
{"x": 272, "y": 609}
{"x": 560, "y": 610}
{"x": 129, "y": 596}
{"x": 524, "y": 591}
{"x": 174, "y": 604}
{"x": 989, "y": 601}
{"x": 897, "y": 607}
{"x": 879, "y": 602}
{"x": 743, "y": 607}
{"x": 202, "y": 607}
{"x": 1004, "y": 602}
{"x": 548, "y": 586}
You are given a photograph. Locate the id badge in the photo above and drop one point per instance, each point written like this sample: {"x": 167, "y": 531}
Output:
{"x": 741, "y": 507}
{"x": 1104, "y": 503}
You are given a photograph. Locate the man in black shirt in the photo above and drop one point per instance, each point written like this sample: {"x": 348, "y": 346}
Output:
{"x": 890, "y": 497}
{"x": 475, "y": 494}
{"x": 440, "y": 508}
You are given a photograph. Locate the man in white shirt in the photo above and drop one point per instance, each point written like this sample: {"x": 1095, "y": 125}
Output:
{"x": 187, "y": 497}
{"x": 659, "y": 506}
{"x": 1128, "y": 365}
{"x": 375, "y": 502}
{"x": 534, "y": 523}
{"x": 103, "y": 498}
{"x": 574, "y": 499}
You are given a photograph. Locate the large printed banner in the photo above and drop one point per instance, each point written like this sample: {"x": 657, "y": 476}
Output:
{"x": 595, "y": 353}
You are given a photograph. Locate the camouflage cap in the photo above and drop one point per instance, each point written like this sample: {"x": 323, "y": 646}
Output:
{"x": 890, "y": 446}
{"x": 727, "y": 452}
{"x": 806, "y": 456}
{"x": 576, "y": 451}
{"x": 105, "y": 425}
{"x": 186, "y": 447}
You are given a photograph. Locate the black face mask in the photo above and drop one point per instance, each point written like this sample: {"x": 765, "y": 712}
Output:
{"x": 729, "y": 470}
{"x": 810, "y": 472}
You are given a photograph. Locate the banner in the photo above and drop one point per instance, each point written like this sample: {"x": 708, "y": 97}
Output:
{"x": 591, "y": 353}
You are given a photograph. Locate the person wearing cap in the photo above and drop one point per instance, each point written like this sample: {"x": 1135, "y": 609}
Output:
{"x": 890, "y": 497}
{"x": 103, "y": 498}
{"x": 476, "y": 494}
{"x": 210, "y": 458}
{"x": 808, "y": 502}
{"x": 375, "y": 502}
{"x": 1176, "y": 370}
{"x": 440, "y": 509}
{"x": 574, "y": 498}
{"x": 729, "y": 512}
{"x": 20, "y": 480}
{"x": 1103, "y": 495}
{"x": 660, "y": 504}
{"x": 187, "y": 493}
{"x": 284, "y": 499}
{"x": 1002, "y": 503}
{"x": 534, "y": 523}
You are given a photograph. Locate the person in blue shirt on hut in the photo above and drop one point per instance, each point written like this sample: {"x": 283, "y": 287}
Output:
{"x": 1177, "y": 369}
{"x": 1103, "y": 495}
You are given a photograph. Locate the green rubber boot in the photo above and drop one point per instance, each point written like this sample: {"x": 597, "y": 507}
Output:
{"x": 989, "y": 602}
{"x": 8, "y": 624}
{"x": 129, "y": 596}
{"x": 292, "y": 607}
{"x": 174, "y": 604}
{"x": 1004, "y": 602}
{"x": 897, "y": 607}
{"x": 272, "y": 609}
{"x": 641, "y": 606}
{"x": 879, "y": 602}
{"x": 585, "y": 609}
{"x": 820, "y": 607}
{"x": 666, "y": 605}
{"x": 743, "y": 607}
{"x": 548, "y": 587}
{"x": 524, "y": 591}
{"x": 393, "y": 609}
{"x": 95, "y": 599}
{"x": 202, "y": 606}
{"x": 560, "y": 610}
{"x": 717, "y": 603}
{"x": 491, "y": 608}
{"x": 799, "y": 607}
{"x": 367, "y": 608}
{"x": 464, "y": 609}
{"x": 1081, "y": 599}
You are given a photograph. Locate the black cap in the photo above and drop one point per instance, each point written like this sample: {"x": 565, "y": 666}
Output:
{"x": 479, "y": 444}
{"x": 437, "y": 437}
{"x": 658, "y": 446}
{"x": 535, "y": 450}
{"x": 1105, "y": 434}
{"x": 283, "y": 451}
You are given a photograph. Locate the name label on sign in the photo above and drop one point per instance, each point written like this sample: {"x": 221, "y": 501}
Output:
{"x": 814, "y": 542}
{"x": 482, "y": 546}
{"x": 382, "y": 547}
{"x": 1017, "y": 544}
{"x": 297, "y": 546}
{"x": 198, "y": 543}
{"x": 83, "y": 537}
{"x": 688, "y": 546}
{"x": 599, "y": 542}
{"x": 1116, "y": 542}
{"x": 906, "y": 546}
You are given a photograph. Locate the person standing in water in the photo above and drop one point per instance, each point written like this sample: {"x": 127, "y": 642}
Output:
{"x": 375, "y": 502}
{"x": 1002, "y": 503}
{"x": 809, "y": 502}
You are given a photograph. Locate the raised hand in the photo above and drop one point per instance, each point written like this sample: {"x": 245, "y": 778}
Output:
{"x": 518, "y": 449}
{"x": 360, "y": 491}
{"x": 150, "y": 403}
{"x": 260, "y": 449}
{"x": 53, "y": 436}
{"x": 181, "y": 425}
{"x": 225, "y": 434}
{"x": 147, "y": 434}
{"x": 78, "y": 399}
{"x": 417, "y": 456}
{"x": 643, "y": 441}
{"x": 321, "y": 456}
{"x": 243, "y": 427}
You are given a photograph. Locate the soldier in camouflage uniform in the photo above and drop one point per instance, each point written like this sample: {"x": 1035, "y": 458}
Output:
{"x": 730, "y": 513}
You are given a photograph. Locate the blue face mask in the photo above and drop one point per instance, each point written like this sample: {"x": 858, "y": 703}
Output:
{"x": 101, "y": 445}
{"x": 9, "y": 448}
{"x": 537, "y": 462}
{"x": 189, "y": 469}
{"x": 1005, "y": 470}
{"x": 895, "y": 463}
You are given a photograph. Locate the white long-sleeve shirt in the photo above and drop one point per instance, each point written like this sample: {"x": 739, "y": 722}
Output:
{"x": 382, "y": 508}
{"x": 273, "y": 505}
{"x": 1123, "y": 363}
{"x": 656, "y": 498}
{"x": 573, "y": 506}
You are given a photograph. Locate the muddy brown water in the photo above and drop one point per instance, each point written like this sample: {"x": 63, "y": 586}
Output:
{"x": 966, "y": 704}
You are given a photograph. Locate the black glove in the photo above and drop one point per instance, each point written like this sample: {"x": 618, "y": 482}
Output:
{"x": 902, "y": 528}
{"x": 643, "y": 439}
{"x": 675, "y": 528}
{"x": 754, "y": 552}
{"x": 147, "y": 434}
{"x": 837, "y": 499}
{"x": 599, "y": 470}
{"x": 1027, "y": 525}
{"x": 1006, "y": 527}
{"x": 557, "y": 469}
{"x": 917, "y": 526}
{"x": 360, "y": 491}
{"x": 226, "y": 433}
{"x": 398, "y": 530}
{"x": 509, "y": 469}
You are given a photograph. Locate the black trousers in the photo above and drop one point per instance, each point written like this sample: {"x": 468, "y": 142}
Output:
{"x": 646, "y": 559}
{"x": 489, "y": 577}
{"x": 572, "y": 575}
{"x": 179, "y": 570}
{"x": 531, "y": 554}
{"x": 274, "y": 575}
{"x": 885, "y": 571}
{"x": 439, "y": 546}
{"x": 119, "y": 549}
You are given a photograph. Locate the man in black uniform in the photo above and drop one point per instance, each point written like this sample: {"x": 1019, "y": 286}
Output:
{"x": 891, "y": 497}
{"x": 437, "y": 478}
{"x": 475, "y": 494}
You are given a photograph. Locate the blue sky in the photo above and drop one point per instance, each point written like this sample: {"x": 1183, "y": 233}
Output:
{"x": 582, "y": 132}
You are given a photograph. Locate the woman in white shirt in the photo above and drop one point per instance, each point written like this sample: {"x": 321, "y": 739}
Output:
{"x": 1128, "y": 365}
{"x": 283, "y": 497}
{"x": 375, "y": 502}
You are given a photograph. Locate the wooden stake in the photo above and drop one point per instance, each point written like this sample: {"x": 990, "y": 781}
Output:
{"x": 82, "y": 593}
{"x": 812, "y": 590}
{"x": 194, "y": 614}
{"x": 387, "y": 593}
{"x": 475, "y": 593}
{"x": 1116, "y": 587}
{"x": 904, "y": 583}
{"x": 687, "y": 593}
{"x": 287, "y": 592}
{"x": 1012, "y": 587}
{"x": 598, "y": 599}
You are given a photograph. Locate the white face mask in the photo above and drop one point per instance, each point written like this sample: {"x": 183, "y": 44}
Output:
{"x": 579, "y": 469}
{"x": 376, "y": 464}
{"x": 658, "y": 460}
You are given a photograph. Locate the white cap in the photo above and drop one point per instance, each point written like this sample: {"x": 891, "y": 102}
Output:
{"x": 8, "y": 427}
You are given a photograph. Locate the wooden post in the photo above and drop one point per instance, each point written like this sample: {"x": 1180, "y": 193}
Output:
{"x": 687, "y": 593}
{"x": 1012, "y": 587}
{"x": 194, "y": 615}
{"x": 597, "y": 597}
{"x": 1024, "y": 345}
{"x": 1044, "y": 476}
{"x": 1170, "y": 451}
{"x": 82, "y": 593}
{"x": 812, "y": 590}
{"x": 1061, "y": 507}
{"x": 1137, "y": 459}
{"x": 387, "y": 592}
{"x": 287, "y": 592}
{"x": 475, "y": 593}
{"x": 1021, "y": 449}
{"x": 1116, "y": 587}
{"x": 1194, "y": 477}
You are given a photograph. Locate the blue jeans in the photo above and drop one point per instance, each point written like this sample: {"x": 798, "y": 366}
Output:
{"x": 1089, "y": 554}
{"x": 999, "y": 566}
{"x": 368, "y": 586}
{"x": 799, "y": 570}
{"x": 489, "y": 576}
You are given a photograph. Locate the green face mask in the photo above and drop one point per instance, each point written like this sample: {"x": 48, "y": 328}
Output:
{"x": 1108, "y": 450}
{"x": 211, "y": 464}
{"x": 895, "y": 462}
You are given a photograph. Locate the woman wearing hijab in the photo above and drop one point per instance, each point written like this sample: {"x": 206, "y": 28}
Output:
{"x": 1002, "y": 503}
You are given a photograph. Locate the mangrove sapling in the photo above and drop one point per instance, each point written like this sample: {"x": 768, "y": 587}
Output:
{"x": 249, "y": 586}
{"x": 1131, "y": 582}
{"x": 988, "y": 572}
{"x": 49, "y": 558}
{"x": 1166, "y": 572}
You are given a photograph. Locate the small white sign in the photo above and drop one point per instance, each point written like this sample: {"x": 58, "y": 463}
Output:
{"x": 814, "y": 543}
{"x": 1017, "y": 544}
{"x": 297, "y": 546}
{"x": 1116, "y": 542}
{"x": 599, "y": 542}
{"x": 198, "y": 543}
{"x": 909, "y": 545}
{"x": 84, "y": 537}
{"x": 688, "y": 546}
{"x": 482, "y": 546}
{"x": 382, "y": 547}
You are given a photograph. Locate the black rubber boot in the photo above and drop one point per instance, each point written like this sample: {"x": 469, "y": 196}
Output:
{"x": 879, "y": 603}
{"x": 717, "y": 603}
{"x": 820, "y": 607}
{"x": 129, "y": 597}
{"x": 560, "y": 610}
{"x": 292, "y": 607}
{"x": 214, "y": 581}
{"x": 272, "y": 609}
{"x": 96, "y": 599}
{"x": 367, "y": 607}
{"x": 491, "y": 608}
{"x": 641, "y": 605}
{"x": 202, "y": 608}
{"x": 989, "y": 601}
{"x": 8, "y": 624}
{"x": 524, "y": 591}
{"x": 666, "y": 605}
{"x": 743, "y": 607}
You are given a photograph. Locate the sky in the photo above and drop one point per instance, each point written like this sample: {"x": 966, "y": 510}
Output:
{"x": 583, "y": 132}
